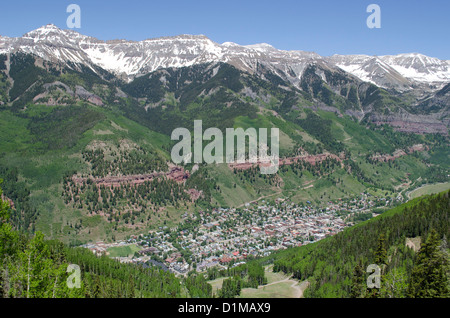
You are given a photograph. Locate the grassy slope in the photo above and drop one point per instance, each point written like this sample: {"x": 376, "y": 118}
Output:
{"x": 429, "y": 189}
{"x": 43, "y": 169}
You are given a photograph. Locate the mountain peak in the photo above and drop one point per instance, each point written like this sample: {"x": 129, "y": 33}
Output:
{"x": 47, "y": 27}
{"x": 43, "y": 31}
{"x": 50, "y": 26}
{"x": 261, "y": 47}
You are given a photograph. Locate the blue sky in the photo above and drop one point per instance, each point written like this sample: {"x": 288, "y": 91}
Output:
{"x": 326, "y": 27}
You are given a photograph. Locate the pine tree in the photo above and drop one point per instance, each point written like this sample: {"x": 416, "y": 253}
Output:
{"x": 380, "y": 260}
{"x": 380, "y": 253}
{"x": 429, "y": 277}
{"x": 357, "y": 281}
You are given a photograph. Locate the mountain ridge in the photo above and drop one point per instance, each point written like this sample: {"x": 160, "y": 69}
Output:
{"x": 131, "y": 59}
{"x": 406, "y": 91}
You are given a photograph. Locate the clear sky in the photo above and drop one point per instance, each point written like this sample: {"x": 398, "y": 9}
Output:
{"x": 324, "y": 26}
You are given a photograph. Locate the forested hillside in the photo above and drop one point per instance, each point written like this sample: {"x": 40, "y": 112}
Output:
{"x": 33, "y": 267}
{"x": 69, "y": 135}
{"x": 336, "y": 266}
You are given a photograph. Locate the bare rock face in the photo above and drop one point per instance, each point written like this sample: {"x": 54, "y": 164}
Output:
{"x": 175, "y": 173}
{"x": 406, "y": 122}
{"x": 82, "y": 93}
{"x": 79, "y": 93}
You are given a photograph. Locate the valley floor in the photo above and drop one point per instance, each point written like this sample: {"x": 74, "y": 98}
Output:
{"x": 429, "y": 189}
{"x": 279, "y": 286}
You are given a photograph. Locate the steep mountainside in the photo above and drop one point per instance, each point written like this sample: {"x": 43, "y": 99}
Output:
{"x": 402, "y": 84}
{"x": 79, "y": 116}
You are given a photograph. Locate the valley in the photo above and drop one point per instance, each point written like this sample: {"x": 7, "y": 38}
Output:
{"x": 109, "y": 166}
{"x": 86, "y": 162}
{"x": 223, "y": 237}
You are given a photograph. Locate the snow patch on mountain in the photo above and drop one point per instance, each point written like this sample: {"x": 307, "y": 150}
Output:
{"x": 130, "y": 58}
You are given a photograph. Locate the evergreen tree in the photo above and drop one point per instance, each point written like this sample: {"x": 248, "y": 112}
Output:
{"x": 357, "y": 281}
{"x": 429, "y": 276}
{"x": 380, "y": 257}
{"x": 380, "y": 253}
{"x": 231, "y": 287}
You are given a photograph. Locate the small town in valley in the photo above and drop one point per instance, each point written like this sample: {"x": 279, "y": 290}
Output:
{"x": 227, "y": 237}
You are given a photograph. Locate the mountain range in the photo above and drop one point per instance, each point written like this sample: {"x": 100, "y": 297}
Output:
{"x": 421, "y": 82}
{"x": 132, "y": 59}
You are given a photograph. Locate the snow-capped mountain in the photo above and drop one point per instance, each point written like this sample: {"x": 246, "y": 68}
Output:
{"x": 401, "y": 72}
{"x": 130, "y": 59}
{"x": 372, "y": 69}
{"x": 419, "y": 67}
